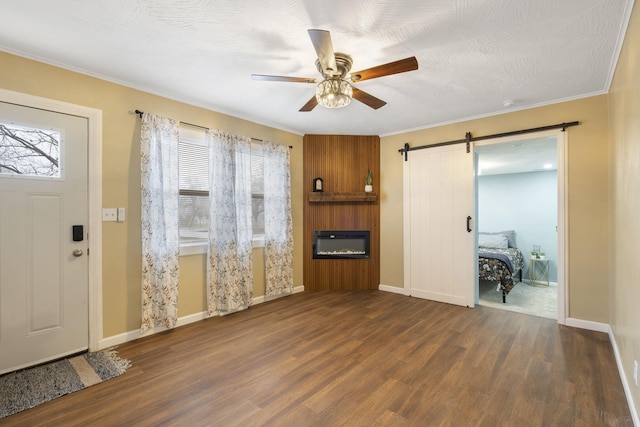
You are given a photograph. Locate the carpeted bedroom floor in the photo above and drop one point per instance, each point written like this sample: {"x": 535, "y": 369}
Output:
{"x": 541, "y": 301}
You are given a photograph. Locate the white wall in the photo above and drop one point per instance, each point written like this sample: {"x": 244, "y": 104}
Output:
{"x": 526, "y": 203}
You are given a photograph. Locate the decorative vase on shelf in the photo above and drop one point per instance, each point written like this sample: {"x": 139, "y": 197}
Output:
{"x": 368, "y": 182}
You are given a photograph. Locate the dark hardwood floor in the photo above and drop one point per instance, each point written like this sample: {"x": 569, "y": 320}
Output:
{"x": 355, "y": 358}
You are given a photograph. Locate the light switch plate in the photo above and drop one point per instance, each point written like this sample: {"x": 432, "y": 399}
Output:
{"x": 109, "y": 214}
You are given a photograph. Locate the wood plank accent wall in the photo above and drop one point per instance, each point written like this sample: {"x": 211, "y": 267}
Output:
{"x": 342, "y": 162}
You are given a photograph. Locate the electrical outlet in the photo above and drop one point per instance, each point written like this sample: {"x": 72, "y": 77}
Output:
{"x": 110, "y": 214}
{"x": 635, "y": 372}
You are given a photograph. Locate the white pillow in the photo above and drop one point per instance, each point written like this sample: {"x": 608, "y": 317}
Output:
{"x": 498, "y": 241}
{"x": 511, "y": 236}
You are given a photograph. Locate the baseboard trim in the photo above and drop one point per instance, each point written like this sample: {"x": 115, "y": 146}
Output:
{"x": 261, "y": 299}
{"x": 587, "y": 324}
{"x": 575, "y": 323}
{"x": 540, "y": 282}
{"x": 393, "y": 289}
{"x": 623, "y": 377}
{"x": 192, "y": 318}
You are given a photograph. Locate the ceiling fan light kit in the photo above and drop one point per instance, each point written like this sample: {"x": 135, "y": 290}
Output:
{"x": 335, "y": 91}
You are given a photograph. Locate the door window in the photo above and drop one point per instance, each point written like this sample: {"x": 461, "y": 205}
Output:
{"x": 27, "y": 151}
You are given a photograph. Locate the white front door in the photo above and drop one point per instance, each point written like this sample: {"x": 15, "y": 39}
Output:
{"x": 439, "y": 239}
{"x": 43, "y": 262}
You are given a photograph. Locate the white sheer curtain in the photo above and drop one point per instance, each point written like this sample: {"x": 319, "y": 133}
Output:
{"x": 278, "y": 226}
{"x": 160, "y": 234}
{"x": 229, "y": 270}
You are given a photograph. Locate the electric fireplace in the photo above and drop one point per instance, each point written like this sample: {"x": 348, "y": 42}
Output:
{"x": 341, "y": 244}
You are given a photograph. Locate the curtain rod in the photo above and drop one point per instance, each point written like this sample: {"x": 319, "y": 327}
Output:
{"x": 468, "y": 138}
{"x": 140, "y": 113}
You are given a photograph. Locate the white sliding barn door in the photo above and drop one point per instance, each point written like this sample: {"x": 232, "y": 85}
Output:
{"x": 438, "y": 208}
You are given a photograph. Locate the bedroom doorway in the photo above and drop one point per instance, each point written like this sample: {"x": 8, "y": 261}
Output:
{"x": 520, "y": 186}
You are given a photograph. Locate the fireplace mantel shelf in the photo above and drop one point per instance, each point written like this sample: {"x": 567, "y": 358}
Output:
{"x": 360, "y": 196}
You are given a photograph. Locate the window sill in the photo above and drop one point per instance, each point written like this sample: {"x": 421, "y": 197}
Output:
{"x": 258, "y": 241}
{"x": 187, "y": 249}
{"x": 199, "y": 248}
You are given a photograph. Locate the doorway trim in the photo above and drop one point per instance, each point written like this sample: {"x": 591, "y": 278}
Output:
{"x": 94, "y": 177}
{"x": 562, "y": 215}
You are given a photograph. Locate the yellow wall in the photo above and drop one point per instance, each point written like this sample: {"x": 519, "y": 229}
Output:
{"x": 624, "y": 111}
{"x": 121, "y": 180}
{"x": 588, "y": 240}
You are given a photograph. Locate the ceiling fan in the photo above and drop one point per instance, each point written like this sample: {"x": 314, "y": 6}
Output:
{"x": 336, "y": 90}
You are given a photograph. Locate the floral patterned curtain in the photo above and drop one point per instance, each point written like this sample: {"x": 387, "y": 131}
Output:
{"x": 160, "y": 234}
{"x": 229, "y": 270}
{"x": 278, "y": 227}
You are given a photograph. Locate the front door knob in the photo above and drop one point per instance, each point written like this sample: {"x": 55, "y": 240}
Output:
{"x": 77, "y": 252}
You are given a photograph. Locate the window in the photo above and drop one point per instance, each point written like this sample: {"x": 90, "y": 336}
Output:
{"x": 27, "y": 151}
{"x": 193, "y": 169}
{"x": 257, "y": 191}
{"x": 194, "y": 192}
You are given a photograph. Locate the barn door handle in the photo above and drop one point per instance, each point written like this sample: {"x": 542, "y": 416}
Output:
{"x": 468, "y": 224}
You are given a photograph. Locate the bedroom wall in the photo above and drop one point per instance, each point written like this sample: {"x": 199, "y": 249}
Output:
{"x": 121, "y": 180}
{"x": 587, "y": 180}
{"x": 624, "y": 111}
{"x": 527, "y": 203}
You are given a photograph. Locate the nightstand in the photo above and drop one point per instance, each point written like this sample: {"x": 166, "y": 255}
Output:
{"x": 538, "y": 272}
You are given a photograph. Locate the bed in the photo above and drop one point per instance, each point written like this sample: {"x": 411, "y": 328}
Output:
{"x": 499, "y": 260}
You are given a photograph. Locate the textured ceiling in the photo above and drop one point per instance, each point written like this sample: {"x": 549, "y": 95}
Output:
{"x": 524, "y": 155}
{"x": 472, "y": 54}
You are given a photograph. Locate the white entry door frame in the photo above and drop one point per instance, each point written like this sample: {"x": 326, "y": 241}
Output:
{"x": 94, "y": 118}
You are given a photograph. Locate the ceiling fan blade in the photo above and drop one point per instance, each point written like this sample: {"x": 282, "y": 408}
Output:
{"x": 368, "y": 99}
{"x": 267, "y": 78}
{"x": 310, "y": 105}
{"x": 321, "y": 40}
{"x": 401, "y": 66}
